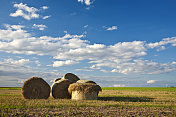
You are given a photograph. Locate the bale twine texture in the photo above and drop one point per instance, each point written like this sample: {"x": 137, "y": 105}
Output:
{"x": 59, "y": 89}
{"x": 35, "y": 88}
{"x": 84, "y": 91}
{"x": 85, "y": 81}
{"x": 71, "y": 77}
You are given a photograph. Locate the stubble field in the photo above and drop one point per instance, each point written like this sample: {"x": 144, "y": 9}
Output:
{"x": 128, "y": 101}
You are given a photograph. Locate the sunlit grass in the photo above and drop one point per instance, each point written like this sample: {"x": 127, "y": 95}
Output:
{"x": 11, "y": 101}
{"x": 172, "y": 89}
{"x": 10, "y": 88}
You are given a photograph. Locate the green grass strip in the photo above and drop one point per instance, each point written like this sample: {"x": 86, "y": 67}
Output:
{"x": 170, "y": 89}
{"x": 11, "y": 88}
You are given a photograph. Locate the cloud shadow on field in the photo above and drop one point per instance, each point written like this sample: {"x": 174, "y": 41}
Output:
{"x": 127, "y": 99}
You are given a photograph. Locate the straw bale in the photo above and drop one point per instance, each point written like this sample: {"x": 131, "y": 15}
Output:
{"x": 35, "y": 88}
{"x": 84, "y": 87}
{"x": 77, "y": 95}
{"x": 57, "y": 79}
{"x": 72, "y": 77}
{"x": 85, "y": 81}
{"x": 59, "y": 89}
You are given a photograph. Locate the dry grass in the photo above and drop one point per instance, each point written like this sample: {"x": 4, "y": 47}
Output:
{"x": 110, "y": 103}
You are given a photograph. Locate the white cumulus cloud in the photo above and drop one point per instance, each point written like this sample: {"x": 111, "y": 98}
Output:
{"x": 27, "y": 12}
{"x": 46, "y": 17}
{"x": 44, "y": 7}
{"x": 86, "y": 2}
{"x": 174, "y": 63}
{"x": 17, "y": 62}
{"x": 112, "y": 28}
{"x": 18, "y": 70}
{"x": 151, "y": 81}
{"x": 161, "y": 44}
{"x": 63, "y": 63}
{"x": 16, "y": 27}
{"x": 85, "y": 26}
{"x": 122, "y": 57}
{"x": 40, "y": 26}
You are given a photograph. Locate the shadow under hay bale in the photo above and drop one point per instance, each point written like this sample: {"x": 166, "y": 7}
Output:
{"x": 127, "y": 99}
{"x": 71, "y": 77}
{"x": 86, "y": 81}
{"x": 59, "y": 89}
{"x": 35, "y": 88}
{"x": 84, "y": 91}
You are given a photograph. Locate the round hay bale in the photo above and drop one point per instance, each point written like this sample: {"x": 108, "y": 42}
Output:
{"x": 57, "y": 79}
{"x": 59, "y": 89}
{"x": 35, "y": 88}
{"x": 85, "y": 81}
{"x": 72, "y": 77}
{"x": 77, "y": 95}
{"x": 84, "y": 91}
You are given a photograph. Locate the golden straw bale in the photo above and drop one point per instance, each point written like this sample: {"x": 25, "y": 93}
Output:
{"x": 77, "y": 95}
{"x": 84, "y": 91}
{"x": 72, "y": 77}
{"x": 59, "y": 89}
{"x": 57, "y": 79}
{"x": 84, "y": 87}
{"x": 85, "y": 81}
{"x": 35, "y": 88}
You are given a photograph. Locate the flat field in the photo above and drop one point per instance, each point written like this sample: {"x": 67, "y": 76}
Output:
{"x": 122, "y": 101}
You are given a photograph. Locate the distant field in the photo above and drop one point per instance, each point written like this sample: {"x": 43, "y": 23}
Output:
{"x": 112, "y": 101}
{"x": 141, "y": 88}
{"x": 11, "y": 88}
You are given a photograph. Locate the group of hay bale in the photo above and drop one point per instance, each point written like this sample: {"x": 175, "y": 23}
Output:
{"x": 67, "y": 87}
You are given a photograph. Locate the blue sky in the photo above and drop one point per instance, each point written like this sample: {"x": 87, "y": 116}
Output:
{"x": 120, "y": 43}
